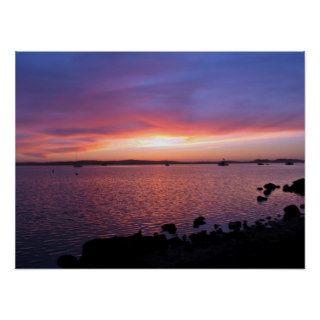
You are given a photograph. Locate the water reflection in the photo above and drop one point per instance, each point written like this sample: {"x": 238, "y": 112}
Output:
{"x": 56, "y": 213}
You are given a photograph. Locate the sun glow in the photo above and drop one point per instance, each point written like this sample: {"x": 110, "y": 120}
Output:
{"x": 160, "y": 141}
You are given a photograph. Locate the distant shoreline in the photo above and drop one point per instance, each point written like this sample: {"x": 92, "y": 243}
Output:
{"x": 148, "y": 162}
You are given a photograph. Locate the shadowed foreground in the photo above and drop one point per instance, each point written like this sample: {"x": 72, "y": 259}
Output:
{"x": 270, "y": 244}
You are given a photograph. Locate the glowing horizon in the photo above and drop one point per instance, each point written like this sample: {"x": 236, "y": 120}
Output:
{"x": 154, "y": 106}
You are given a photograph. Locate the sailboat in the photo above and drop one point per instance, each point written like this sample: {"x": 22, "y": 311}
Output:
{"x": 223, "y": 163}
{"x": 77, "y": 164}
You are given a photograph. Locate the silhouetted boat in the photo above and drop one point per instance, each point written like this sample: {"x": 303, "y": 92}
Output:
{"x": 77, "y": 165}
{"x": 223, "y": 163}
{"x": 167, "y": 164}
{"x": 260, "y": 164}
{"x": 289, "y": 163}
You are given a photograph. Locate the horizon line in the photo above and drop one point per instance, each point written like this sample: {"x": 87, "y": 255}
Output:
{"x": 162, "y": 160}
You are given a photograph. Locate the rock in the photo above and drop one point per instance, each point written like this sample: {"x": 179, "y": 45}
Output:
{"x": 270, "y": 186}
{"x": 245, "y": 225}
{"x": 169, "y": 227}
{"x": 267, "y": 192}
{"x": 235, "y": 225}
{"x": 67, "y": 261}
{"x": 199, "y": 238}
{"x": 138, "y": 234}
{"x": 286, "y": 188}
{"x": 291, "y": 212}
{"x": 296, "y": 187}
{"x": 259, "y": 188}
{"x": 260, "y": 199}
{"x": 199, "y": 221}
{"x": 175, "y": 242}
{"x": 301, "y": 206}
{"x": 121, "y": 252}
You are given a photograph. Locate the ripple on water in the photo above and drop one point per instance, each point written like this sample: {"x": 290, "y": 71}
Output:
{"x": 57, "y": 213}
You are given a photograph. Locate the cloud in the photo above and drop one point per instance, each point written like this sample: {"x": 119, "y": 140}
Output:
{"x": 67, "y": 101}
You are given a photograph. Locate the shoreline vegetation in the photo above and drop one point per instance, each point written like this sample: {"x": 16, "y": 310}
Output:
{"x": 270, "y": 242}
{"x": 148, "y": 162}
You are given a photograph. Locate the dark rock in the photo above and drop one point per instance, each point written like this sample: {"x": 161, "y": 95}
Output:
{"x": 121, "y": 252}
{"x": 216, "y": 226}
{"x": 235, "y": 225}
{"x": 259, "y": 188}
{"x": 291, "y": 212}
{"x": 270, "y": 186}
{"x": 286, "y": 188}
{"x": 199, "y": 238}
{"x": 138, "y": 234}
{"x": 301, "y": 206}
{"x": 267, "y": 192}
{"x": 199, "y": 221}
{"x": 259, "y": 225}
{"x": 169, "y": 227}
{"x": 67, "y": 261}
{"x": 245, "y": 225}
{"x": 260, "y": 199}
{"x": 175, "y": 242}
{"x": 296, "y": 187}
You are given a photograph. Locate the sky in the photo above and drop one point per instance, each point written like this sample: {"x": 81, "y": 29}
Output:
{"x": 187, "y": 106}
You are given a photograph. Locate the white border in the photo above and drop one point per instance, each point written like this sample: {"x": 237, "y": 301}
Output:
{"x": 158, "y": 25}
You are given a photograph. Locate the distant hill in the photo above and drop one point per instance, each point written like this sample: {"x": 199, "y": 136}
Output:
{"x": 277, "y": 161}
{"x": 145, "y": 162}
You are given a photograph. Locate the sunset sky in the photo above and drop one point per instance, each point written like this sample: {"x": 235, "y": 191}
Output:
{"x": 156, "y": 106}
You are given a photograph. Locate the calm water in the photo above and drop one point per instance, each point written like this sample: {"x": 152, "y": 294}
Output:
{"x": 56, "y": 213}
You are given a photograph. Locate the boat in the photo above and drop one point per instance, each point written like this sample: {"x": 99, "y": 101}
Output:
{"x": 260, "y": 164}
{"x": 77, "y": 165}
{"x": 223, "y": 163}
{"x": 289, "y": 163}
{"x": 167, "y": 164}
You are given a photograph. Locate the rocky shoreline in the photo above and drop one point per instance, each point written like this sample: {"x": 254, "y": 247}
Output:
{"x": 268, "y": 243}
